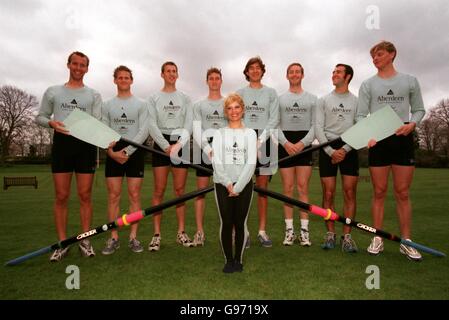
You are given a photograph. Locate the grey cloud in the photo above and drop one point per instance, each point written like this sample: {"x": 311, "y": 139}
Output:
{"x": 198, "y": 34}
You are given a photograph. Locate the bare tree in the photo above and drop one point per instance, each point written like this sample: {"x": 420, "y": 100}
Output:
{"x": 434, "y": 130}
{"x": 16, "y": 115}
{"x": 441, "y": 115}
{"x": 428, "y": 132}
{"x": 38, "y": 139}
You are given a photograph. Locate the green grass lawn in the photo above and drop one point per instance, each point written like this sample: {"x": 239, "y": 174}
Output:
{"x": 285, "y": 273}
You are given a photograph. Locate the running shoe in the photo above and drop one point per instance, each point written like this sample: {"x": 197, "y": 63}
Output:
{"x": 329, "y": 241}
{"x": 111, "y": 245}
{"x": 376, "y": 246}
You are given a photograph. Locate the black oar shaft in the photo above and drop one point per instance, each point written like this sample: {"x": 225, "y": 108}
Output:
{"x": 146, "y": 212}
{"x": 326, "y": 213}
{"x": 330, "y": 215}
{"x": 150, "y": 149}
{"x": 306, "y": 150}
{"x": 111, "y": 225}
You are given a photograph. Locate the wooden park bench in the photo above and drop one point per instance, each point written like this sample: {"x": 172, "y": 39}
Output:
{"x": 19, "y": 181}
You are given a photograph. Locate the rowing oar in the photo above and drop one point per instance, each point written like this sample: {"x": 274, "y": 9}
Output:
{"x": 378, "y": 126}
{"x": 385, "y": 123}
{"x": 328, "y": 214}
{"x": 124, "y": 220}
{"x": 88, "y": 129}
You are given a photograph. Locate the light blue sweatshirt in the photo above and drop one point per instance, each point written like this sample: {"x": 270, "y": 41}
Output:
{"x": 402, "y": 92}
{"x": 128, "y": 117}
{"x": 59, "y": 101}
{"x": 207, "y": 117}
{"x": 297, "y": 113}
{"x": 234, "y": 156}
{"x": 335, "y": 113}
{"x": 261, "y": 109}
{"x": 172, "y": 114}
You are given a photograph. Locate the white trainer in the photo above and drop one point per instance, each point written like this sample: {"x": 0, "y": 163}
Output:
{"x": 289, "y": 238}
{"x": 376, "y": 246}
{"x": 155, "y": 244}
{"x": 410, "y": 252}
{"x": 304, "y": 239}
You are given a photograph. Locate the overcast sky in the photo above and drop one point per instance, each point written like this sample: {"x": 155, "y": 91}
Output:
{"x": 37, "y": 37}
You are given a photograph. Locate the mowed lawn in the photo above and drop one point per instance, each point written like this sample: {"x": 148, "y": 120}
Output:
{"x": 287, "y": 273}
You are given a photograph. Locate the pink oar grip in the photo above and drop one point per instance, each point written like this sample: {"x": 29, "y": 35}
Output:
{"x": 323, "y": 213}
{"x": 127, "y": 219}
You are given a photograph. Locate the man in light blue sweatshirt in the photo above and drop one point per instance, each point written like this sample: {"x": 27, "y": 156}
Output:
{"x": 170, "y": 125}
{"x": 207, "y": 118}
{"x": 68, "y": 153}
{"x": 262, "y": 115}
{"x": 335, "y": 113}
{"x": 297, "y": 113}
{"x": 128, "y": 116}
{"x": 396, "y": 153}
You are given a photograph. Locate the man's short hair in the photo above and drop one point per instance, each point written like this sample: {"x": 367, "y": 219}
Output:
{"x": 251, "y": 61}
{"x": 348, "y": 70}
{"x": 123, "y": 68}
{"x": 168, "y": 63}
{"x": 384, "y": 45}
{"x": 78, "y": 53}
{"x": 213, "y": 70}
{"x": 295, "y": 64}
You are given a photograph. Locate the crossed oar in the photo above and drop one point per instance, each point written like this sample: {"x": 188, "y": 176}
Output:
{"x": 327, "y": 214}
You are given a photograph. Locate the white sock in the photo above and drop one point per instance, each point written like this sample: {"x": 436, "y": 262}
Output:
{"x": 262, "y": 232}
{"x": 288, "y": 224}
{"x": 305, "y": 224}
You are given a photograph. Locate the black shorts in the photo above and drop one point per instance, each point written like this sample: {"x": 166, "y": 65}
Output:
{"x": 348, "y": 167}
{"x": 162, "y": 161}
{"x": 70, "y": 154}
{"x": 303, "y": 160}
{"x": 265, "y": 151}
{"x": 201, "y": 173}
{"x": 398, "y": 150}
{"x": 133, "y": 168}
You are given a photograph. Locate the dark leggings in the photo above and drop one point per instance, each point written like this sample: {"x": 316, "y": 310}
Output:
{"x": 233, "y": 212}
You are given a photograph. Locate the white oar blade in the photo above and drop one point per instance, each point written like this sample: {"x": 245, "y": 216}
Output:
{"x": 85, "y": 127}
{"x": 378, "y": 126}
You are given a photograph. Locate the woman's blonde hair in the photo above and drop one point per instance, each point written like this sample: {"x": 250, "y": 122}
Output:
{"x": 231, "y": 98}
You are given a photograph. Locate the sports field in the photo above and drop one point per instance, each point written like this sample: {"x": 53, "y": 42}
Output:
{"x": 285, "y": 273}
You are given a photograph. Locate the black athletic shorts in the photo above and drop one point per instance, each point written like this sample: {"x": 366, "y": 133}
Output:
{"x": 303, "y": 160}
{"x": 265, "y": 151}
{"x": 208, "y": 165}
{"x": 348, "y": 167}
{"x": 398, "y": 150}
{"x": 70, "y": 154}
{"x": 162, "y": 161}
{"x": 133, "y": 168}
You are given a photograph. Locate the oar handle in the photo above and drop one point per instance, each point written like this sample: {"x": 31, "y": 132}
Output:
{"x": 126, "y": 219}
{"x": 328, "y": 214}
{"x": 306, "y": 150}
{"x": 150, "y": 149}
